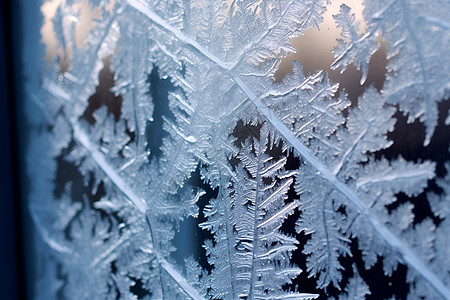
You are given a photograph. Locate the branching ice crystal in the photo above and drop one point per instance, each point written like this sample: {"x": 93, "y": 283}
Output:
{"x": 307, "y": 163}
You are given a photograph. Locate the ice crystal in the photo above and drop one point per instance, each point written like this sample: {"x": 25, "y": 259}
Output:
{"x": 107, "y": 226}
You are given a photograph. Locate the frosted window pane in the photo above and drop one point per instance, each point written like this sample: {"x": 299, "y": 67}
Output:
{"x": 241, "y": 150}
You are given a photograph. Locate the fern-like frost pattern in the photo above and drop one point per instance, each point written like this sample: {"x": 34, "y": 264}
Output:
{"x": 299, "y": 173}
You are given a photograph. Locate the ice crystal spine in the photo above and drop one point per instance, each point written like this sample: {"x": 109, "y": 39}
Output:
{"x": 125, "y": 200}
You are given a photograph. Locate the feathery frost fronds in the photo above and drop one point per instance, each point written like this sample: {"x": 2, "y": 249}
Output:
{"x": 169, "y": 115}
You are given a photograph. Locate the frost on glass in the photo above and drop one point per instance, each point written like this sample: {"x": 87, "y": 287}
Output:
{"x": 165, "y": 115}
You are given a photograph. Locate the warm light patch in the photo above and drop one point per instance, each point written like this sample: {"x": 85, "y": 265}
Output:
{"x": 314, "y": 47}
{"x": 314, "y": 51}
{"x": 81, "y": 17}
